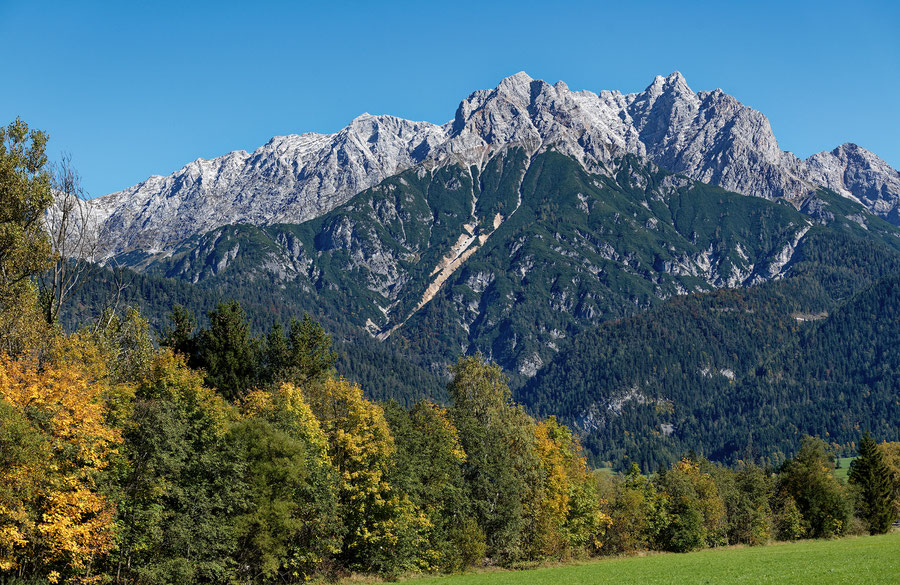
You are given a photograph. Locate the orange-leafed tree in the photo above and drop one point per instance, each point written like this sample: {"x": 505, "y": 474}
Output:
{"x": 59, "y": 522}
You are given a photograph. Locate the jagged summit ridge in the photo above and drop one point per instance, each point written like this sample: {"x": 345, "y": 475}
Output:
{"x": 289, "y": 179}
{"x": 707, "y": 135}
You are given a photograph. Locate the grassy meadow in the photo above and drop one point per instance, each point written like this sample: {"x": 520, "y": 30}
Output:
{"x": 842, "y": 471}
{"x": 866, "y": 560}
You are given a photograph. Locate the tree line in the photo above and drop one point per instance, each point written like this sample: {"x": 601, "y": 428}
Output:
{"x": 121, "y": 463}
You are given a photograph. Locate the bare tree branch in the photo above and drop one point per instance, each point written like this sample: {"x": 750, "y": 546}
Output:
{"x": 121, "y": 282}
{"x": 73, "y": 238}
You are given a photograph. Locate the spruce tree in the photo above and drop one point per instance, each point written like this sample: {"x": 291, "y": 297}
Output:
{"x": 227, "y": 351}
{"x": 180, "y": 334}
{"x": 312, "y": 358}
{"x": 870, "y": 474}
{"x": 277, "y": 356}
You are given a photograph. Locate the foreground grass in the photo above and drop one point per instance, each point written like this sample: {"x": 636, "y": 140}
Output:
{"x": 854, "y": 561}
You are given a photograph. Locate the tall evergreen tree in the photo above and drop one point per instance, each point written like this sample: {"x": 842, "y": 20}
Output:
{"x": 870, "y": 474}
{"x": 311, "y": 356}
{"x": 180, "y": 334}
{"x": 227, "y": 352}
{"x": 277, "y": 355}
{"x": 302, "y": 356}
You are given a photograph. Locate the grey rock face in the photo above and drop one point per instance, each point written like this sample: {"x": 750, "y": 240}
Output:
{"x": 288, "y": 180}
{"x": 708, "y": 136}
{"x": 712, "y": 137}
{"x": 857, "y": 173}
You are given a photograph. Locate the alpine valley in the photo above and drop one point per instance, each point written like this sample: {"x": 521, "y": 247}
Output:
{"x": 651, "y": 268}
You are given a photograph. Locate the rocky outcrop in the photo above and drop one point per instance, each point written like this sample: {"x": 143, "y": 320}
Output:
{"x": 709, "y": 136}
{"x": 859, "y": 174}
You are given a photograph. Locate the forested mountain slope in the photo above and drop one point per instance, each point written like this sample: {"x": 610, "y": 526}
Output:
{"x": 741, "y": 374}
{"x": 510, "y": 259}
{"x": 385, "y": 372}
{"x": 518, "y": 258}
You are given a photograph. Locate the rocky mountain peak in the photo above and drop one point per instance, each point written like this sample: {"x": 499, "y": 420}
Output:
{"x": 861, "y": 156}
{"x": 708, "y": 136}
{"x": 855, "y": 172}
{"x": 672, "y": 83}
{"x": 518, "y": 85}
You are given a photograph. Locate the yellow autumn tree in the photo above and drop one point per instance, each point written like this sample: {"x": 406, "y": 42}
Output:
{"x": 59, "y": 523}
{"x": 384, "y": 531}
{"x": 567, "y": 517}
{"x": 288, "y": 409}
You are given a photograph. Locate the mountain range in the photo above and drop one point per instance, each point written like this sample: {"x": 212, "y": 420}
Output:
{"x": 543, "y": 228}
{"x": 708, "y": 136}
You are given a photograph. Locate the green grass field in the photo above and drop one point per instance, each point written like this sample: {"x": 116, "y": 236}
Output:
{"x": 866, "y": 560}
{"x": 842, "y": 471}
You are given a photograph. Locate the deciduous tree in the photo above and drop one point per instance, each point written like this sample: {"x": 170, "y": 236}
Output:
{"x": 384, "y": 531}
{"x": 25, "y": 249}
{"x": 567, "y": 517}
{"x": 427, "y": 466}
{"x": 60, "y": 522}
{"x": 502, "y": 468}
{"x": 695, "y": 509}
{"x": 73, "y": 239}
{"x": 290, "y": 523}
{"x": 819, "y": 496}
{"x": 183, "y": 484}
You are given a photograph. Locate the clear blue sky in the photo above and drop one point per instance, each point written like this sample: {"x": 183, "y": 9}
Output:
{"x": 132, "y": 89}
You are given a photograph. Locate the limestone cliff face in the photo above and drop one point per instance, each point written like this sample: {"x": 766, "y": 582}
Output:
{"x": 857, "y": 173}
{"x": 708, "y": 136}
{"x": 289, "y": 179}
